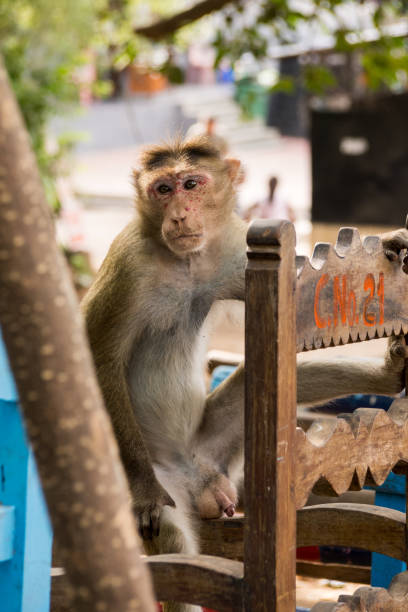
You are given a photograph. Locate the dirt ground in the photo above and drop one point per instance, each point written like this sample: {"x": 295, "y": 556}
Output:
{"x": 309, "y": 590}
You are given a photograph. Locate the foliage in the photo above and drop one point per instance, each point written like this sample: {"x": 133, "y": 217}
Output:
{"x": 318, "y": 79}
{"x": 260, "y": 27}
{"x": 81, "y": 270}
{"x": 43, "y": 44}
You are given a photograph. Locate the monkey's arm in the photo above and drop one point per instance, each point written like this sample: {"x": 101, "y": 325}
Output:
{"x": 147, "y": 494}
{"x": 111, "y": 332}
{"x": 220, "y": 435}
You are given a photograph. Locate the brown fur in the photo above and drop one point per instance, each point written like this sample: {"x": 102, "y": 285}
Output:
{"x": 147, "y": 316}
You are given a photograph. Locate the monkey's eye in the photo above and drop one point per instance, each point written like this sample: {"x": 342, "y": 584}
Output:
{"x": 190, "y": 184}
{"x": 163, "y": 188}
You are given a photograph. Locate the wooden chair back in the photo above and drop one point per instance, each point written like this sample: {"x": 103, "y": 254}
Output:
{"x": 346, "y": 293}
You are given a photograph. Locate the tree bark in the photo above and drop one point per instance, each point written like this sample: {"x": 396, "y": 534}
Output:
{"x": 69, "y": 430}
{"x": 165, "y": 27}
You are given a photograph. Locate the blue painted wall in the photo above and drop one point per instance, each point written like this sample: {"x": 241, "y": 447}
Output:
{"x": 25, "y": 578}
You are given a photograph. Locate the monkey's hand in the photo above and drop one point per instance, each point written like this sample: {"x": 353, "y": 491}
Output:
{"x": 148, "y": 501}
{"x": 395, "y": 361}
{"x": 218, "y": 495}
{"x": 395, "y": 242}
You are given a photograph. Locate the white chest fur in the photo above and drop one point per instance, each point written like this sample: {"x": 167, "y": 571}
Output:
{"x": 166, "y": 379}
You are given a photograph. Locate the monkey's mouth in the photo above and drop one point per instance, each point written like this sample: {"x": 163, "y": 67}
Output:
{"x": 186, "y": 242}
{"x": 187, "y": 236}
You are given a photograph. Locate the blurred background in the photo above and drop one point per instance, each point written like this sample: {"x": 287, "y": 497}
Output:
{"x": 310, "y": 95}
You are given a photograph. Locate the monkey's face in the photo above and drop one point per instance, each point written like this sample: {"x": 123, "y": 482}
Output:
{"x": 183, "y": 203}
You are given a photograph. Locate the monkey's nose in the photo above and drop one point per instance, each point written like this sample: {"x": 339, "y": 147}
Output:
{"x": 179, "y": 218}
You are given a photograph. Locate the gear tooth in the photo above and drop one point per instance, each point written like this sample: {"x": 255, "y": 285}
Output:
{"x": 348, "y": 239}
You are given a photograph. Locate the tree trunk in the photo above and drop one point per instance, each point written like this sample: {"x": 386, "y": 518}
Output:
{"x": 77, "y": 458}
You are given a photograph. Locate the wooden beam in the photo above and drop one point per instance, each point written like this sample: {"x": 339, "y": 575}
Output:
{"x": 270, "y": 418}
{"x": 351, "y": 451}
{"x": 334, "y": 571}
{"x": 208, "y": 581}
{"x": 373, "y": 528}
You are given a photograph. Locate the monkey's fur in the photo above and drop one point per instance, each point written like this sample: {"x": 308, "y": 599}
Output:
{"x": 147, "y": 321}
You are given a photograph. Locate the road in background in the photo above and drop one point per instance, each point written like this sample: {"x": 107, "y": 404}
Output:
{"x": 116, "y": 131}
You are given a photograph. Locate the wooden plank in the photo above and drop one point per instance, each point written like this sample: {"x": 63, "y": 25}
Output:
{"x": 270, "y": 418}
{"x": 216, "y": 358}
{"x": 334, "y": 571}
{"x": 357, "y": 525}
{"x": 341, "y": 524}
{"x": 208, "y": 581}
{"x": 348, "y": 293}
{"x": 352, "y": 450}
{"x": 223, "y": 537}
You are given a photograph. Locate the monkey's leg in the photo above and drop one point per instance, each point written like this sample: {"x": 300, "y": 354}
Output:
{"x": 218, "y": 446}
{"x": 178, "y": 531}
{"x": 220, "y": 436}
{"x": 319, "y": 381}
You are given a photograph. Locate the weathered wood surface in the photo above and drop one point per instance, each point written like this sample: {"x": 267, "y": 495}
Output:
{"x": 352, "y": 450}
{"x": 69, "y": 430}
{"x": 223, "y": 537}
{"x": 356, "y": 525}
{"x": 203, "y": 580}
{"x": 360, "y": 574}
{"x": 216, "y": 358}
{"x": 349, "y": 292}
{"x": 270, "y": 418}
{"x": 394, "y": 599}
{"x": 334, "y": 524}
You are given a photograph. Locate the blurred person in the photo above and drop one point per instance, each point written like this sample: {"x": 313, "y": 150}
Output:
{"x": 272, "y": 207}
{"x": 225, "y": 72}
{"x": 200, "y": 64}
{"x": 85, "y": 77}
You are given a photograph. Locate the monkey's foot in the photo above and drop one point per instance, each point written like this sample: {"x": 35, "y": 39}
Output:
{"x": 395, "y": 361}
{"x": 148, "y": 504}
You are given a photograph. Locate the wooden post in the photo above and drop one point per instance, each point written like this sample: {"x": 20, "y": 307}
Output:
{"x": 70, "y": 433}
{"x": 270, "y": 419}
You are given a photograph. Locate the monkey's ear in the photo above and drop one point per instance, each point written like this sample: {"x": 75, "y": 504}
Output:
{"x": 234, "y": 170}
{"x": 135, "y": 175}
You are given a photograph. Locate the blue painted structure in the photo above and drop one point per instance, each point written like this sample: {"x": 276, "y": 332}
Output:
{"x": 391, "y": 494}
{"x": 25, "y": 531}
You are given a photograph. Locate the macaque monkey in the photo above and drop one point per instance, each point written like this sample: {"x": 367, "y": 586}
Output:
{"x": 147, "y": 317}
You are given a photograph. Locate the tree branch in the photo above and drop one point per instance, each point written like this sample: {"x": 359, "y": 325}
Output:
{"x": 164, "y": 27}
